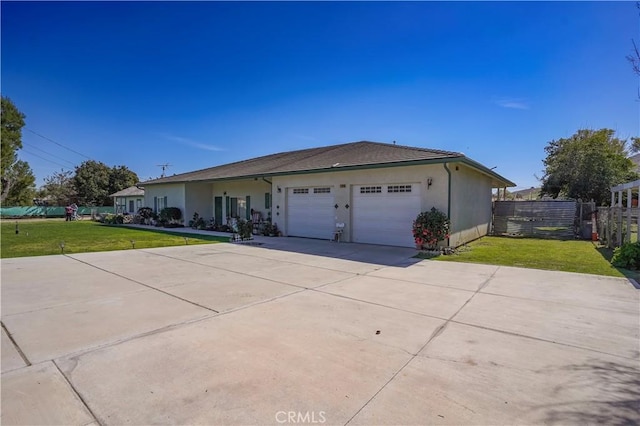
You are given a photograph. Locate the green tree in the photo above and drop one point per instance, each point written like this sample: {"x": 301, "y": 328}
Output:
{"x": 94, "y": 181}
{"x": 587, "y": 165}
{"x": 120, "y": 178}
{"x": 17, "y": 179}
{"x": 59, "y": 189}
{"x": 23, "y": 185}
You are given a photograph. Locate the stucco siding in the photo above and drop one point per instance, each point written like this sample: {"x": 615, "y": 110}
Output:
{"x": 122, "y": 204}
{"x": 256, "y": 189}
{"x": 198, "y": 198}
{"x": 173, "y": 192}
{"x": 434, "y": 195}
{"x": 470, "y": 195}
{"x": 470, "y": 205}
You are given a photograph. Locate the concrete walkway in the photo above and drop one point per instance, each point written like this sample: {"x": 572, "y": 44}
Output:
{"x": 304, "y": 331}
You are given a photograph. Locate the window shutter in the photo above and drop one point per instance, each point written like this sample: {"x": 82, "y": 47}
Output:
{"x": 155, "y": 204}
{"x": 165, "y": 202}
{"x": 267, "y": 200}
{"x": 248, "y": 212}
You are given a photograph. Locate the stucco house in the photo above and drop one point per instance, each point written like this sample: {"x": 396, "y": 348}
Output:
{"x": 129, "y": 200}
{"x": 375, "y": 189}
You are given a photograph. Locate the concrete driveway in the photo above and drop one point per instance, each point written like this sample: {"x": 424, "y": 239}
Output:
{"x": 311, "y": 332}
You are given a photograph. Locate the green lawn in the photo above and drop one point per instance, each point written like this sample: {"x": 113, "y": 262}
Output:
{"x": 553, "y": 255}
{"x": 43, "y": 237}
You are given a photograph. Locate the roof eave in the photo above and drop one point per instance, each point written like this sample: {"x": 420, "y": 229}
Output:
{"x": 497, "y": 179}
{"x": 310, "y": 171}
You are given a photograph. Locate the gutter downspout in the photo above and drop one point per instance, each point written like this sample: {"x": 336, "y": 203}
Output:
{"x": 446, "y": 167}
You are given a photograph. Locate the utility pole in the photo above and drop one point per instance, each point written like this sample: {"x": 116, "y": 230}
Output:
{"x": 164, "y": 167}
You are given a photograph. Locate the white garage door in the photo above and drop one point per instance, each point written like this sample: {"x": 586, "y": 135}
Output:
{"x": 310, "y": 212}
{"x": 384, "y": 214}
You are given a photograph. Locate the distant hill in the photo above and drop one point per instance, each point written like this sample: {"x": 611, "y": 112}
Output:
{"x": 525, "y": 194}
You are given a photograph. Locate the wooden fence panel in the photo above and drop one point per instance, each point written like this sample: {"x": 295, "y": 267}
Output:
{"x": 548, "y": 219}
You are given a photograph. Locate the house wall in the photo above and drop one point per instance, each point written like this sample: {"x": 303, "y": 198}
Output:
{"x": 240, "y": 189}
{"x": 174, "y": 193}
{"x": 342, "y": 181}
{"x": 470, "y": 195}
{"x": 470, "y": 205}
{"x": 121, "y": 204}
{"x": 198, "y": 198}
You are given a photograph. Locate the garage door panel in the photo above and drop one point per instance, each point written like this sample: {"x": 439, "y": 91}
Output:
{"x": 310, "y": 212}
{"x": 383, "y": 217}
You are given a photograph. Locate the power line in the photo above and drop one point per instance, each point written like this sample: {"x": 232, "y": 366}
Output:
{"x": 45, "y": 159}
{"x": 59, "y": 144}
{"x": 48, "y": 153}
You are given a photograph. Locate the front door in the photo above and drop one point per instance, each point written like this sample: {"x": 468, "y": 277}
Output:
{"x": 131, "y": 206}
{"x": 217, "y": 210}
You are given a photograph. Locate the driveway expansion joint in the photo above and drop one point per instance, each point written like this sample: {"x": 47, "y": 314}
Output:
{"x": 15, "y": 345}
{"x": 437, "y": 332}
{"x": 75, "y": 391}
{"x": 149, "y": 251}
{"x": 143, "y": 284}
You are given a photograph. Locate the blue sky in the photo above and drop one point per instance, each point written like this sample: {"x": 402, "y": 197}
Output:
{"x": 205, "y": 83}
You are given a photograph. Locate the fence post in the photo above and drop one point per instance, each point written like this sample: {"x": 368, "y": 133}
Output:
{"x": 619, "y": 220}
{"x": 610, "y": 225}
{"x": 628, "y": 212}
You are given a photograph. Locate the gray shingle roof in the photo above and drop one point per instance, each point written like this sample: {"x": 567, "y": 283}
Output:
{"x": 329, "y": 157}
{"x": 132, "y": 191}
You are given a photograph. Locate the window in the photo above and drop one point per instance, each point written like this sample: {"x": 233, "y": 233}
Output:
{"x": 399, "y": 188}
{"x": 238, "y": 207}
{"x": 370, "y": 189}
{"x": 159, "y": 203}
{"x": 321, "y": 190}
{"x": 267, "y": 200}
{"x": 139, "y": 203}
{"x": 300, "y": 190}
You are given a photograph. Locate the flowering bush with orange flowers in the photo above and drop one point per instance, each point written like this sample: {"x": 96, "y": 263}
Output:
{"x": 430, "y": 228}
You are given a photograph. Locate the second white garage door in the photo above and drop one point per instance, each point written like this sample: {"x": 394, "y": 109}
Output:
{"x": 310, "y": 212}
{"x": 384, "y": 214}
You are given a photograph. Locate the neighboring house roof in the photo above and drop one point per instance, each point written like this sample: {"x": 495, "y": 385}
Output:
{"x": 346, "y": 156}
{"x": 132, "y": 191}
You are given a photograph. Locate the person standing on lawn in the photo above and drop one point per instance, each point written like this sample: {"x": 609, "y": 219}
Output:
{"x": 68, "y": 212}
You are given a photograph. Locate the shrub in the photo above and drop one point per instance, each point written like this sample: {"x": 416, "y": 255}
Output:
{"x": 146, "y": 212}
{"x": 627, "y": 256}
{"x": 170, "y": 215}
{"x": 145, "y": 215}
{"x": 430, "y": 228}
{"x": 114, "y": 219}
{"x": 244, "y": 228}
{"x": 197, "y": 222}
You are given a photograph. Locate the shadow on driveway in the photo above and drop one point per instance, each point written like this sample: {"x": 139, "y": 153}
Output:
{"x": 616, "y": 390}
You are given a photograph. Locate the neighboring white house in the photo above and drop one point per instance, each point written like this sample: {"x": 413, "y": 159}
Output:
{"x": 375, "y": 189}
{"x": 129, "y": 200}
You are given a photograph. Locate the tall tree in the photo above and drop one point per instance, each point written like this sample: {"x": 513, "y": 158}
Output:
{"x": 120, "y": 178}
{"x": 59, "y": 188}
{"x": 587, "y": 165}
{"x": 92, "y": 183}
{"x": 23, "y": 185}
{"x": 95, "y": 181}
{"x": 16, "y": 180}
